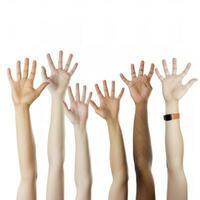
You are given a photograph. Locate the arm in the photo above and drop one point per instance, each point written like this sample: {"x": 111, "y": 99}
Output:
{"x": 58, "y": 82}
{"x": 173, "y": 90}
{"x": 109, "y": 109}
{"x": 140, "y": 90}
{"x": 78, "y": 115}
{"x": 23, "y": 95}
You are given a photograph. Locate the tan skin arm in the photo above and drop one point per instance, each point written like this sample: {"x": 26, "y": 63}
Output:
{"x": 58, "y": 83}
{"x": 78, "y": 115}
{"x": 173, "y": 91}
{"x": 140, "y": 90}
{"x": 108, "y": 110}
{"x": 23, "y": 94}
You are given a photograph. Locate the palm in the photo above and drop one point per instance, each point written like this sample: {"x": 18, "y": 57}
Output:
{"x": 59, "y": 81}
{"x": 109, "y": 107}
{"x": 79, "y": 112}
{"x": 109, "y": 104}
{"x": 60, "y": 76}
{"x": 172, "y": 86}
{"x": 22, "y": 89}
{"x": 139, "y": 86}
{"x": 23, "y": 92}
{"x": 139, "y": 91}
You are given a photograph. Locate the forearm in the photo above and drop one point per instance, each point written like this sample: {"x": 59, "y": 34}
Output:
{"x": 141, "y": 139}
{"x": 83, "y": 175}
{"x": 56, "y": 138}
{"x": 174, "y": 140}
{"x": 118, "y": 162}
{"x": 143, "y": 154}
{"x": 25, "y": 141}
{"x": 56, "y": 150}
{"x": 26, "y": 152}
{"x": 177, "y": 184}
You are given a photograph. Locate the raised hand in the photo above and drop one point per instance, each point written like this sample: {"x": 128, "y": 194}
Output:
{"x": 22, "y": 88}
{"x": 60, "y": 76}
{"x": 172, "y": 86}
{"x": 139, "y": 86}
{"x": 78, "y": 113}
{"x": 109, "y": 103}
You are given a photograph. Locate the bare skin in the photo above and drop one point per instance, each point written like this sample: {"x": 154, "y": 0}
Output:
{"x": 109, "y": 110}
{"x": 78, "y": 115}
{"x": 23, "y": 95}
{"x": 173, "y": 91}
{"x": 58, "y": 83}
{"x": 140, "y": 90}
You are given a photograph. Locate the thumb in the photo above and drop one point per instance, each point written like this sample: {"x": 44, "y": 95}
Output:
{"x": 41, "y": 88}
{"x": 189, "y": 84}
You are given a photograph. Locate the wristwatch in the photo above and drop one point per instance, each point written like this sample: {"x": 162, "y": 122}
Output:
{"x": 170, "y": 117}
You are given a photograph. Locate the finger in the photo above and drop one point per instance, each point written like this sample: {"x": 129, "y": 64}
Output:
{"x": 174, "y": 64}
{"x": 151, "y": 71}
{"x": 73, "y": 69}
{"x": 51, "y": 64}
{"x": 105, "y": 88}
{"x": 121, "y": 93}
{"x": 44, "y": 74}
{"x": 141, "y": 70}
{"x": 94, "y": 105}
{"x": 66, "y": 108}
{"x": 113, "y": 89}
{"x": 60, "y": 60}
{"x": 18, "y": 70}
{"x": 98, "y": 91}
{"x": 158, "y": 74}
{"x": 185, "y": 71}
{"x": 33, "y": 71}
{"x": 77, "y": 92}
{"x": 89, "y": 98}
{"x": 71, "y": 96}
{"x": 124, "y": 79}
{"x": 41, "y": 88}
{"x": 26, "y": 66}
{"x": 9, "y": 75}
{"x": 164, "y": 63}
{"x": 189, "y": 84}
{"x": 133, "y": 74}
{"x": 68, "y": 62}
{"x": 83, "y": 94}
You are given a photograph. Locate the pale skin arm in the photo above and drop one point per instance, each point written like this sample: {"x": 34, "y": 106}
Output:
{"x": 23, "y": 94}
{"x": 173, "y": 91}
{"x": 78, "y": 115}
{"x": 58, "y": 83}
{"x": 108, "y": 110}
{"x": 140, "y": 90}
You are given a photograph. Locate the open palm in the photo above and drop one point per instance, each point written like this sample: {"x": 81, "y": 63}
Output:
{"x": 22, "y": 89}
{"x": 173, "y": 88}
{"x": 60, "y": 76}
{"x": 139, "y": 86}
{"x": 78, "y": 112}
{"x": 109, "y": 104}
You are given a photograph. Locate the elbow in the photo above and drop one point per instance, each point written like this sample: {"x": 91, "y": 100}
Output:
{"x": 142, "y": 168}
{"x": 84, "y": 185}
{"x": 29, "y": 175}
{"x": 121, "y": 179}
{"x": 175, "y": 169}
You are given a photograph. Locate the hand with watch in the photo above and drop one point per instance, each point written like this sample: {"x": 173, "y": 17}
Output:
{"x": 173, "y": 91}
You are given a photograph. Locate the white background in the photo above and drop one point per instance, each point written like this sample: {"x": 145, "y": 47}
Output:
{"x": 105, "y": 37}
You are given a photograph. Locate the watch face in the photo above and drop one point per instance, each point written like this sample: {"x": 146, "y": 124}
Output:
{"x": 168, "y": 117}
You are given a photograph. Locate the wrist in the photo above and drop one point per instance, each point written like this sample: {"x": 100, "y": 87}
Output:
{"x": 112, "y": 121}
{"x": 22, "y": 107}
{"x": 80, "y": 126}
{"x": 172, "y": 106}
{"x": 141, "y": 105}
